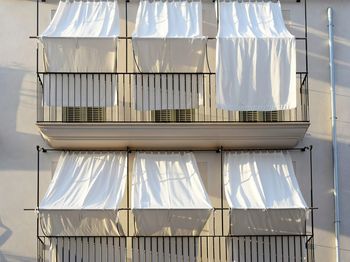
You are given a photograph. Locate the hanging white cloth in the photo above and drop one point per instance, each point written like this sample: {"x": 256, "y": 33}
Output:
{"x": 82, "y": 37}
{"x": 255, "y": 58}
{"x": 84, "y": 195}
{"x": 263, "y": 193}
{"x": 168, "y": 197}
{"x": 80, "y": 90}
{"x": 163, "y": 30}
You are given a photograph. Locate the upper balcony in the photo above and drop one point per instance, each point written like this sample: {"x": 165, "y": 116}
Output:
{"x": 132, "y": 108}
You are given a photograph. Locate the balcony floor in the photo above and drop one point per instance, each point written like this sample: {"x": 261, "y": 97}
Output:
{"x": 172, "y": 135}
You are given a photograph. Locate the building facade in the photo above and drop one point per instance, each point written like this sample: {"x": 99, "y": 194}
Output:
{"x": 28, "y": 122}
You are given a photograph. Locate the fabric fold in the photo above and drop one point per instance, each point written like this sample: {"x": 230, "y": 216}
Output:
{"x": 81, "y": 38}
{"x": 84, "y": 195}
{"x": 255, "y": 58}
{"x": 263, "y": 193}
{"x": 163, "y": 30}
{"x": 168, "y": 197}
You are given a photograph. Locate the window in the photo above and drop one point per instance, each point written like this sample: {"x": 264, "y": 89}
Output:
{"x": 171, "y": 115}
{"x": 83, "y": 114}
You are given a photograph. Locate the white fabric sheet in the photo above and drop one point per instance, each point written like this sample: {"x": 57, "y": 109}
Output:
{"x": 168, "y": 197}
{"x": 255, "y": 58}
{"x": 82, "y": 37}
{"x": 80, "y": 90}
{"x": 263, "y": 193}
{"x": 174, "y": 91}
{"x": 168, "y": 19}
{"x": 84, "y": 194}
{"x": 163, "y": 31}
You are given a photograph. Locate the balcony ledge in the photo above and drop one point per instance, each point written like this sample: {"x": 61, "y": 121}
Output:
{"x": 172, "y": 135}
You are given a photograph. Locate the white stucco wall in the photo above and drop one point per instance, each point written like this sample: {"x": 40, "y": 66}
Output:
{"x": 18, "y": 134}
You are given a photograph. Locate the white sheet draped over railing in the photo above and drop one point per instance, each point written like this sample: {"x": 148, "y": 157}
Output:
{"x": 168, "y": 197}
{"x": 168, "y": 39}
{"x": 263, "y": 193}
{"x": 82, "y": 37}
{"x": 255, "y": 58}
{"x": 84, "y": 195}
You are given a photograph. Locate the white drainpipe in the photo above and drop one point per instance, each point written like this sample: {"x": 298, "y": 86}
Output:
{"x": 334, "y": 134}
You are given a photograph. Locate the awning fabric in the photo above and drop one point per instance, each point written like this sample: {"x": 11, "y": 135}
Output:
{"x": 163, "y": 30}
{"x": 82, "y": 37}
{"x": 80, "y": 90}
{"x": 84, "y": 195}
{"x": 168, "y": 197}
{"x": 263, "y": 193}
{"x": 255, "y": 58}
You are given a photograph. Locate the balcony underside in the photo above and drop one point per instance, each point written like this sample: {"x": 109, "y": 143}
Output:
{"x": 172, "y": 135}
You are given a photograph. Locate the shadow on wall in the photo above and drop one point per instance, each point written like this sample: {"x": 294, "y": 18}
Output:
{"x": 17, "y": 107}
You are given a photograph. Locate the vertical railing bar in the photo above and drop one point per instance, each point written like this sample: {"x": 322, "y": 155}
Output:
{"x": 143, "y": 106}
{"x": 195, "y": 247}
{"x": 69, "y": 247}
{"x": 119, "y": 102}
{"x": 149, "y": 97}
{"x": 124, "y": 108}
{"x": 38, "y": 195}
{"x": 161, "y": 91}
{"x": 232, "y": 241}
{"x": 210, "y": 109}
{"x": 251, "y": 249}
{"x": 301, "y": 249}
{"x": 76, "y": 249}
{"x": 74, "y": 90}
{"x": 136, "y": 95}
{"x": 94, "y": 248}
{"x": 130, "y": 98}
{"x": 179, "y": 88}
{"x": 87, "y": 91}
{"x": 198, "y": 101}
{"x": 80, "y": 87}
{"x": 63, "y": 249}
{"x": 270, "y": 248}
{"x": 191, "y": 93}
{"x": 276, "y": 254}
{"x": 263, "y": 247}
{"x": 173, "y": 90}
{"x": 200, "y": 248}
{"x": 167, "y": 91}
{"x": 222, "y": 189}
{"x": 127, "y": 190}
{"x": 294, "y": 248}
{"x": 185, "y": 80}
{"x": 93, "y": 97}
{"x": 238, "y": 249}
{"x": 56, "y": 250}
{"x": 101, "y": 247}
{"x": 56, "y": 116}
{"x": 82, "y": 249}
{"x": 288, "y": 243}
{"x": 245, "y": 248}
{"x": 282, "y": 246}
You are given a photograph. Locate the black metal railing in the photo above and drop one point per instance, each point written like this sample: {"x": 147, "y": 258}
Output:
{"x": 147, "y": 97}
{"x": 202, "y": 248}
{"x": 212, "y": 245}
{"x": 215, "y": 243}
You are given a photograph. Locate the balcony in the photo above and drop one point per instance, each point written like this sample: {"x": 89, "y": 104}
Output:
{"x": 81, "y": 110}
{"x": 216, "y": 242}
{"x": 127, "y": 108}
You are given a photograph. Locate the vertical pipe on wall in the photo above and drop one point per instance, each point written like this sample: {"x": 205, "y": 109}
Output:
{"x": 334, "y": 132}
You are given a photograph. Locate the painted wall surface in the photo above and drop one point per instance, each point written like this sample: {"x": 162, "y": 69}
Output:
{"x": 19, "y": 135}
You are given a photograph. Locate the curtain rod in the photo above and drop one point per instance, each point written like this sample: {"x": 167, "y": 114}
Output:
{"x": 218, "y": 150}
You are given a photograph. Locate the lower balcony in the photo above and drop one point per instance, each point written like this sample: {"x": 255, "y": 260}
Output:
{"x": 155, "y": 110}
